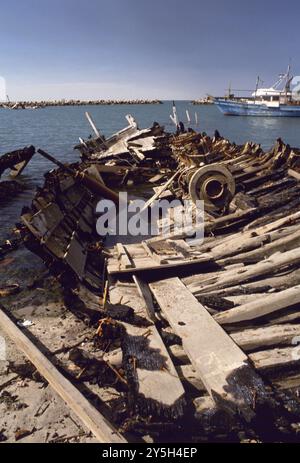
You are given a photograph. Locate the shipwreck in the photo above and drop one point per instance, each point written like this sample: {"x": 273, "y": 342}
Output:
{"x": 194, "y": 336}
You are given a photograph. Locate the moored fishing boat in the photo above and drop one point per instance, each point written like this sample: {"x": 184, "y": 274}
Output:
{"x": 276, "y": 101}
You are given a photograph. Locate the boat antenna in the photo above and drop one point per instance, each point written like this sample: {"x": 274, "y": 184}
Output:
{"x": 288, "y": 82}
{"x": 256, "y": 88}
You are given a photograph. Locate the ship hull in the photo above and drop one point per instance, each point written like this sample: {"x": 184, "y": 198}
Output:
{"x": 233, "y": 108}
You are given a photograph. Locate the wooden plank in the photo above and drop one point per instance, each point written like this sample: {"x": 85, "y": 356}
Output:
{"x": 181, "y": 247}
{"x": 96, "y": 131}
{"x": 279, "y": 282}
{"x": 147, "y": 265}
{"x": 76, "y": 256}
{"x": 264, "y": 361}
{"x": 101, "y": 428}
{"x": 160, "y": 191}
{"x": 253, "y": 339}
{"x": 44, "y": 222}
{"x": 290, "y": 241}
{"x": 142, "y": 260}
{"x": 276, "y": 358}
{"x": 219, "y": 362}
{"x": 267, "y": 336}
{"x": 161, "y": 386}
{"x": 258, "y": 308}
{"x": 123, "y": 256}
{"x": 244, "y": 242}
{"x": 145, "y": 293}
{"x": 294, "y": 174}
{"x": 208, "y": 226}
{"x": 270, "y": 265}
{"x": 189, "y": 375}
{"x": 151, "y": 253}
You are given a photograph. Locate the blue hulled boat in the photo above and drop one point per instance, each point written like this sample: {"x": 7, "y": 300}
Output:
{"x": 266, "y": 102}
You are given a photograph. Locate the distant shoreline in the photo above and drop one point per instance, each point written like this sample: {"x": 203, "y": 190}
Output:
{"x": 45, "y": 104}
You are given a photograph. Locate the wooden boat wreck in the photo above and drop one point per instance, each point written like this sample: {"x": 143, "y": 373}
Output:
{"x": 201, "y": 337}
{"x": 15, "y": 161}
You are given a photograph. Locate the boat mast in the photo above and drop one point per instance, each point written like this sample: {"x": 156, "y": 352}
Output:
{"x": 229, "y": 90}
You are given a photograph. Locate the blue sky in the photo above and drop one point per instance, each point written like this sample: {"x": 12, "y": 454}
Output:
{"x": 144, "y": 48}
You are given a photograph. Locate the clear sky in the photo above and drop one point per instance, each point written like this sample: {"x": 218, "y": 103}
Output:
{"x": 166, "y": 49}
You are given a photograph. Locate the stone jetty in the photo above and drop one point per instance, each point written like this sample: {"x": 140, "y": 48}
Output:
{"x": 45, "y": 104}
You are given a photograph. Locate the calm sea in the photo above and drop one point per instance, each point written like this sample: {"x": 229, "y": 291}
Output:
{"x": 57, "y": 130}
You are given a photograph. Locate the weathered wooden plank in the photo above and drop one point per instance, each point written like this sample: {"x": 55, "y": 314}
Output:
{"x": 146, "y": 263}
{"x": 240, "y": 243}
{"x": 160, "y": 191}
{"x": 267, "y": 336}
{"x": 278, "y": 282}
{"x": 258, "y": 308}
{"x": 253, "y": 339}
{"x": 123, "y": 256}
{"x": 189, "y": 375}
{"x": 101, "y": 428}
{"x": 220, "y": 363}
{"x": 145, "y": 293}
{"x": 76, "y": 256}
{"x": 276, "y": 358}
{"x": 151, "y": 253}
{"x": 290, "y": 241}
{"x": 294, "y": 174}
{"x": 263, "y": 361}
{"x": 44, "y": 221}
{"x": 270, "y": 265}
{"x": 159, "y": 387}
